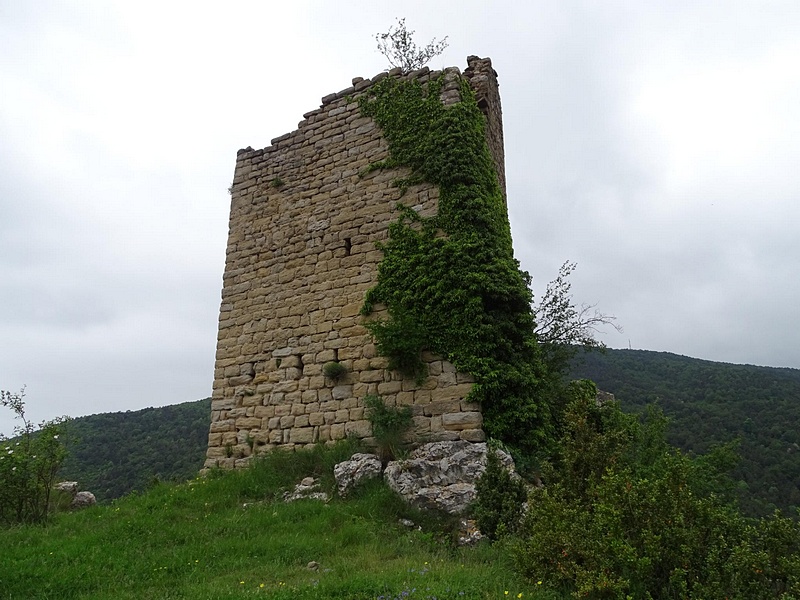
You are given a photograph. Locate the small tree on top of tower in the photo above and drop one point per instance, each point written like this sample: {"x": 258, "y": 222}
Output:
{"x": 398, "y": 46}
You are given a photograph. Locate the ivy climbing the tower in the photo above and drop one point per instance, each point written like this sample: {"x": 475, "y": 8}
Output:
{"x": 450, "y": 282}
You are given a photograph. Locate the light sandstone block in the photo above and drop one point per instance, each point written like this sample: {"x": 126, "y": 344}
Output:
{"x": 462, "y": 420}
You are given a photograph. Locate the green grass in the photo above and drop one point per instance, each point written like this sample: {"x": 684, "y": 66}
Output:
{"x": 199, "y": 540}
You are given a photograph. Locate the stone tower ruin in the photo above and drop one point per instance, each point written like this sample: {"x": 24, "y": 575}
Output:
{"x": 306, "y": 214}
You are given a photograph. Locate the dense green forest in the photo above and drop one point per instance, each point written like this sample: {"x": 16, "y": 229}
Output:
{"x": 711, "y": 403}
{"x": 112, "y": 454}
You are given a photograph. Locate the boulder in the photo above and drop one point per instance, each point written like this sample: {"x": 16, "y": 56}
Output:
{"x": 441, "y": 475}
{"x": 308, "y": 488}
{"x": 360, "y": 467}
{"x": 83, "y": 500}
{"x": 68, "y": 487}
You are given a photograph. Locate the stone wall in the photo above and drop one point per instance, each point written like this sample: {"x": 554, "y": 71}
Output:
{"x": 305, "y": 219}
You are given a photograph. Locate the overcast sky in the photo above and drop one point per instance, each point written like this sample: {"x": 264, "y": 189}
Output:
{"x": 654, "y": 143}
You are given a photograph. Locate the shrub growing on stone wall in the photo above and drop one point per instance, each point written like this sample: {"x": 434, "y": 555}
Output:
{"x": 389, "y": 425}
{"x": 28, "y": 465}
{"x": 334, "y": 370}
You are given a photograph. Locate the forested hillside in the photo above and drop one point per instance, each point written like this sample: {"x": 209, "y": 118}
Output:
{"x": 709, "y": 402}
{"x": 111, "y": 454}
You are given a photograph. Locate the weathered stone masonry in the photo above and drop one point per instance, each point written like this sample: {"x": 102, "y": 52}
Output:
{"x": 305, "y": 217}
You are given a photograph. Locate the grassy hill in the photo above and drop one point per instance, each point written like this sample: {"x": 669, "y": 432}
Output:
{"x": 232, "y": 536}
{"x": 710, "y": 403}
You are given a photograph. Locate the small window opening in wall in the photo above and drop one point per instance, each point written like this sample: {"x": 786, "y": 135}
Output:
{"x": 347, "y": 246}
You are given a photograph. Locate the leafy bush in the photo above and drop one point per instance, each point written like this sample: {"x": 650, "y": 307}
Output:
{"x": 498, "y": 506}
{"x": 334, "y": 370}
{"x": 28, "y": 465}
{"x": 389, "y": 425}
{"x": 623, "y": 515}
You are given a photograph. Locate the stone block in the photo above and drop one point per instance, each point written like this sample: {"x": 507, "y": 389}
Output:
{"x": 216, "y": 452}
{"x": 302, "y": 435}
{"x": 473, "y": 435}
{"x": 390, "y": 387}
{"x": 337, "y": 431}
{"x": 446, "y": 379}
{"x": 373, "y": 376}
{"x": 462, "y": 420}
{"x": 440, "y": 407}
{"x": 248, "y": 423}
{"x": 329, "y": 405}
{"x": 254, "y": 400}
{"x": 361, "y": 364}
{"x": 264, "y": 412}
{"x": 223, "y": 404}
{"x": 342, "y": 391}
{"x": 359, "y": 429}
{"x": 453, "y": 392}
{"x": 220, "y": 426}
{"x": 422, "y": 424}
{"x": 404, "y": 398}
{"x": 239, "y": 380}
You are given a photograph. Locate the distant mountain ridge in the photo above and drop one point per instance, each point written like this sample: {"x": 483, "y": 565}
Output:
{"x": 112, "y": 454}
{"x": 709, "y": 402}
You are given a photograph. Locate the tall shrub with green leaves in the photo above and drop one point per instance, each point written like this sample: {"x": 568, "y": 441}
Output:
{"x": 499, "y": 499}
{"x": 29, "y": 464}
{"x": 623, "y": 515}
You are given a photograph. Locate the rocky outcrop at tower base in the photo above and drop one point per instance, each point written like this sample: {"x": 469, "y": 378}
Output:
{"x": 441, "y": 475}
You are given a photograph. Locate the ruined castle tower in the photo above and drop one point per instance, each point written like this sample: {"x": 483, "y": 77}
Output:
{"x": 305, "y": 218}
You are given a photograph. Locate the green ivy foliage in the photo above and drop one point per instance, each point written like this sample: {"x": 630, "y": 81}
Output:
{"x": 450, "y": 282}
